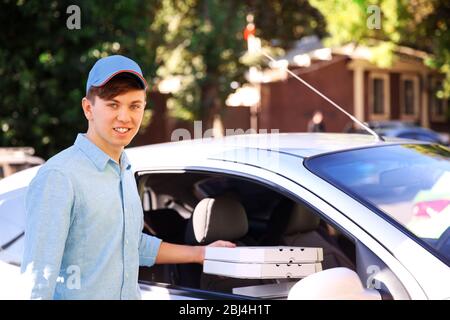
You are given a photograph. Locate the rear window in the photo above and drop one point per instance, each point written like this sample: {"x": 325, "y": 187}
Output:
{"x": 409, "y": 183}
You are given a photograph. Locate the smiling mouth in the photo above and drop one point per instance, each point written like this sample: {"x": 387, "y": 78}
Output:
{"x": 122, "y": 130}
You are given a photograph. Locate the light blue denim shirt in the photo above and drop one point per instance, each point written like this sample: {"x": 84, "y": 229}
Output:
{"x": 83, "y": 237}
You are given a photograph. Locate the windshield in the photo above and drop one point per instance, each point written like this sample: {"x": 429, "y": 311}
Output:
{"x": 410, "y": 183}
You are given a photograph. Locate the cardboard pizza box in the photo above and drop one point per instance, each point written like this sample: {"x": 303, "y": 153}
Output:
{"x": 260, "y": 270}
{"x": 279, "y": 254}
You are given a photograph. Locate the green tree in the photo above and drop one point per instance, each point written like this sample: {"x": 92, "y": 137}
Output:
{"x": 44, "y": 65}
{"x": 286, "y": 21}
{"x": 203, "y": 44}
{"x": 420, "y": 24}
{"x": 201, "y": 47}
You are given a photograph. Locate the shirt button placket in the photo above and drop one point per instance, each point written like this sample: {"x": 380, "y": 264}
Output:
{"x": 125, "y": 244}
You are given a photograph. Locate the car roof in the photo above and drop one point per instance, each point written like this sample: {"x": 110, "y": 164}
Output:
{"x": 296, "y": 144}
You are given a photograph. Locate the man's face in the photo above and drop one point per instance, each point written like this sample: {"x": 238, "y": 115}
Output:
{"x": 114, "y": 123}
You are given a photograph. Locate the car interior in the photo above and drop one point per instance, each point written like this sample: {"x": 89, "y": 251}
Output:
{"x": 198, "y": 208}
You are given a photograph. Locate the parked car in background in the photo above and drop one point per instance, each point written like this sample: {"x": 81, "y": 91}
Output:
{"x": 402, "y": 129}
{"x": 390, "y": 124}
{"x": 415, "y": 133}
{"x": 17, "y": 159}
{"x": 366, "y": 203}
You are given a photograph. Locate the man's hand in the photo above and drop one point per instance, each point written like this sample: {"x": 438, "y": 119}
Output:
{"x": 221, "y": 243}
{"x": 218, "y": 243}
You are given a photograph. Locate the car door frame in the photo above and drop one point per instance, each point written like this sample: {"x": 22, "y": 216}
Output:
{"x": 291, "y": 188}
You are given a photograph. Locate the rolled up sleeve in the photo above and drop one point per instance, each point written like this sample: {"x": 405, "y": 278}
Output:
{"x": 148, "y": 250}
{"x": 49, "y": 203}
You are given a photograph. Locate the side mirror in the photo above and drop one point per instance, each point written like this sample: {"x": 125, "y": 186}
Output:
{"x": 332, "y": 284}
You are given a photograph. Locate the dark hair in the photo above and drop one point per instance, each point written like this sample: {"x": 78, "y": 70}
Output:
{"x": 118, "y": 85}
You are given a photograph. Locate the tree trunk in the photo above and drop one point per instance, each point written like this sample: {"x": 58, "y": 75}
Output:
{"x": 210, "y": 105}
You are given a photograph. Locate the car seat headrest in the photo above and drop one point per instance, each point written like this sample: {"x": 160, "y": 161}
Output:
{"x": 301, "y": 220}
{"x": 219, "y": 218}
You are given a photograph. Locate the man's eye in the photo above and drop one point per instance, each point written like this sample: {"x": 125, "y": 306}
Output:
{"x": 112, "y": 105}
{"x": 136, "y": 106}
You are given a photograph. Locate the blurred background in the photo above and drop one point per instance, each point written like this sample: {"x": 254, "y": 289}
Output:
{"x": 387, "y": 62}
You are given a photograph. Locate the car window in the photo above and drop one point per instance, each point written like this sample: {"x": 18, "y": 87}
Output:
{"x": 409, "y": 183}
{"x": 273, "y": 220}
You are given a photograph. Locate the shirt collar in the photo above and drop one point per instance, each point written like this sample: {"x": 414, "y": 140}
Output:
{"x": 96, "y": 155}
{"x": 124, "y": 162}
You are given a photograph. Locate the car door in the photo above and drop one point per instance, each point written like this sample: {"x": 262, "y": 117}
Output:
{"x": 281, "y": 179}
{"x": 423, "y": 273}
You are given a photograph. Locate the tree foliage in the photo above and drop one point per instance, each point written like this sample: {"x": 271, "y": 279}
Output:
{"x": 44, "y": 65}
{"x": 203, "y": 43}
{"x": 201, "y": 47}
{"x": 419, "y": 24}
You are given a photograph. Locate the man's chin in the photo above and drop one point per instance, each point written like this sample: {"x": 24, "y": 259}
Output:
{"x": 122, "y": 142}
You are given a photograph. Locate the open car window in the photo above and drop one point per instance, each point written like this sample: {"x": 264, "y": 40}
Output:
{"x": 270, "y": 220}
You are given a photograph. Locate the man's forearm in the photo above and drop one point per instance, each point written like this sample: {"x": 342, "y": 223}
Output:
{"x": 175, "y": 253}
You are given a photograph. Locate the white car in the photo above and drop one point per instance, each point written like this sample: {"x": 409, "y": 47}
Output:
{"x": 380, "y": 210}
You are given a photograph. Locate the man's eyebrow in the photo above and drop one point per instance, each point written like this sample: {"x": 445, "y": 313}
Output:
{"x": 135, "y": 101}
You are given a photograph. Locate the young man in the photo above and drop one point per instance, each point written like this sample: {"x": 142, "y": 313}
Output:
{"x": 84, "y": 223}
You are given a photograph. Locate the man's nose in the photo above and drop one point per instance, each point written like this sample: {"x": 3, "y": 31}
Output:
{"x": 124, "y": 114}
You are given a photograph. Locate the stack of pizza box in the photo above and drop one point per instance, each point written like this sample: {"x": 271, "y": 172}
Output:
{"x": 263, "y": 262}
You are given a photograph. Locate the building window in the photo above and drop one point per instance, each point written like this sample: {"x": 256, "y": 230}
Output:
{"x": 379, "y": 97}
{"x": 437, "y": 106}
{"x": 409, "y": 97}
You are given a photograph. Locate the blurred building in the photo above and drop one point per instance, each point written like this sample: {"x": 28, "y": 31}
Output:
{"x": 162, "y": 126}
{"x": 274, "y": 100}
{"x": 405, "y": 91}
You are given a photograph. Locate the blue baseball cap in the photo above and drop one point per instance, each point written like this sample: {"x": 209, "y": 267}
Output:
{"x": 106, "y": 68}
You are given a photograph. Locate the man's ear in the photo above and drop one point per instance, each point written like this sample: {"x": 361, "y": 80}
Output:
{"x": 87, "y": 108}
